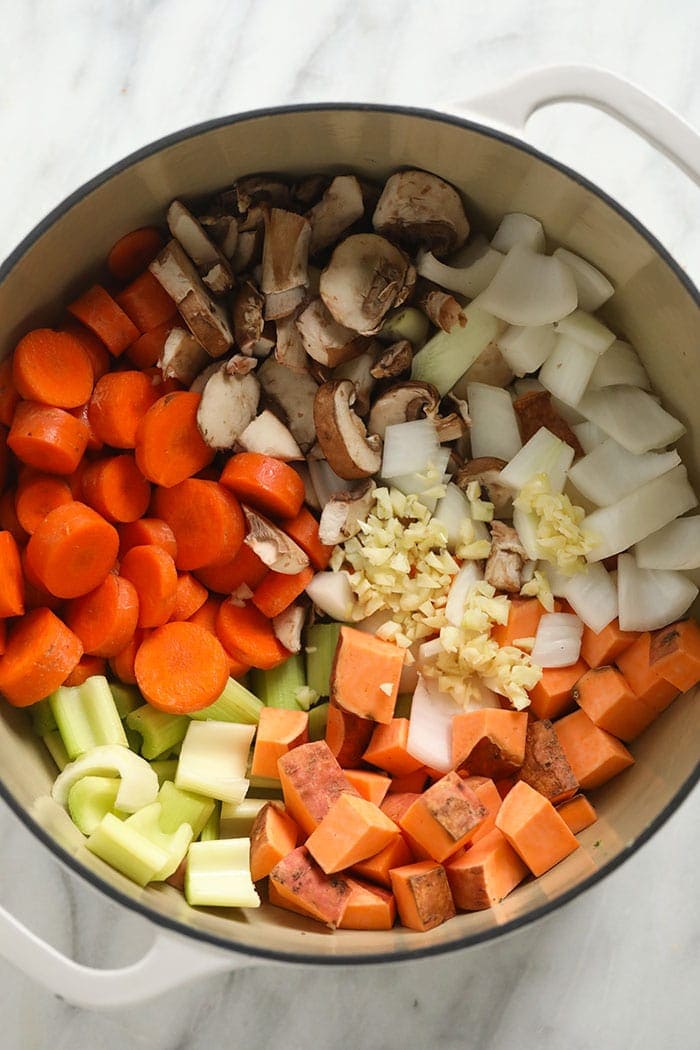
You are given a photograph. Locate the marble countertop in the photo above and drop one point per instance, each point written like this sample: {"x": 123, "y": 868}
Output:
{"x": 87, "y": 82}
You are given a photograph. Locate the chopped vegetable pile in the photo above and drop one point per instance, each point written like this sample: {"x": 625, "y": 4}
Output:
{"x": 340, "y": 551}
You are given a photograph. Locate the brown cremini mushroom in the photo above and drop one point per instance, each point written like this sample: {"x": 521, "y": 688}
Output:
{"x": 439, "y": 306}
{"x": 394, "y": 361}
{"x": 289, "y": 348}
{"x": 418, "y": 209}
{"x": 339, "y": 207}
{"x": 247, "y": 314}
{"x": 341, "y": 433}
{"x": 205, "y": 318}
{"x": 324, "y": 339}
{"x": 210, "y": 261}
{"x": 285, "y": 251}
{"x": 401, "y": 403}
{"x": 288, "y": 625}
{"x": 284, "y": 304}
{"x": 486, "y": 470}
{"x": 228, "y": 404}
{"x": 183, "y": 358}
{"x": 268, "y": 435}
{"x": 366, "y": 277}
{"x": 343, "y": 513}
{"x": 290, "y": 395}
{"x": 274, "y": 547}
{"x": 504, "y": 567}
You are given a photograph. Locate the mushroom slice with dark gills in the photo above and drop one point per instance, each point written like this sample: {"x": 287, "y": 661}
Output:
{"x": 421, "y": 210}
{"x": 350, "y": 452}
{"x": 366, "y": 277}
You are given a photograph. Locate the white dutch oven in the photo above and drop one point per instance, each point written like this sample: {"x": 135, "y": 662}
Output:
{"x": 655, "y": 306}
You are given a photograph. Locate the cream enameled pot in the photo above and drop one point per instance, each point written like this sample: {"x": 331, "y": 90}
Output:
{"x": 655, "y": 306}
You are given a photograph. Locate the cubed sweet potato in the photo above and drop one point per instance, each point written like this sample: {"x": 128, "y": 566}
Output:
{"x": 298, "y": 879}
{"x": 369, "y": 907}
{"x": 311, "y": 782}
{"x": 489, "y": 742}
{"x": 444, "y": 817}
{"x": 534, "y": 828}
{"x": 545, "y": 767}
{"x": 347, "y": 735}
{"x": 366, "y": 675}
{"x": 273, "y": 835}
{"x": 485, "y": 873}
{"x": 423, "y": 895}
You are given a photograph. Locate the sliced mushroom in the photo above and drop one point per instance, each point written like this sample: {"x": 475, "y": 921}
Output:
{"x": 261, "y": 189}
{"x": 199, "y": 382}
{"x": 247, "y": 315}
{"x": 268, "y": 435}
{"x": 486, "y": 470}
{"x": 274, "y": 547}
{"x": 223, "y": 230}
{"x": 344, "y": 512}
{"x": 205, "y": 318}
{"x": 285, "y": 251}
{"x": 183, "y": 358}
{"x": 292, "y": 395}
{"x": 211, "y": 262}
{"x": 360, "y": 372}
{"x": 323, "y": 478}
{"x": 418, "y": 209}
{"x": 246, "y": 250}
{"x": 395, "y": 360}
{"x": 228, "y": 404}
{"x": 439, "y": 306}
{"x": 401, "y": 403}
{"x": 265, "y": 343}
{"x": 289, "y": 349}
{"x": 288, "y": 625}
{"x": 241, "y": 365}
{"x": 310, "y": 495}
{"x": 324, "y": 339}
{"x": 490, "y": 367}
{"x": 340, "y": 206}
{"x": 282, "y": 304}
{"x": 504, "y": 567}
{"x": 310, "y": 189}
{"x": 366, "y": 277}
{"x": 341, "y": 432}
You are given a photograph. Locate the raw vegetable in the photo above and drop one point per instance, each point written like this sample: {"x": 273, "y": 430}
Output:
{"x": 90, "y": 799}
{"x": 138, "y": 786}
{"x": 366, "y": 675}
{"x": 213, "y": 760}
{"x": 619, "y": 366}
{"x": 534, "y": 829}
{"x": 352, "y": 830}
{"x": 39, "y": 655}
{"x": 592, "y": 286}
{"x": 279, "y": 730}
{"x": 557, "y": 640}
{"x": 594, "y": 755}
{"x": 485, "y": 874}
{"x": 545, "y": 766}
{"x": 160, "y": 731}
{"x": 675, "y": 546}
{"x": 444, "y": 817}
{"x": 86, "y": 716}
{"x": 577, "y": 813}
{"x": 311, "y": 781}
{"x": 218, "y": 874}
{"x": 494, "y": 429}
{"x": 651, "y": 598}
{"x": 272, "y": 837}
{"x": 423, "y": 896}
{"x": 347, "y": 736}
{"x": 430, "y": 726}
{"x": 72, "y": 550}
{"x": 674, "y": 654}
{"x": 609, "y": 472}
{"x": 529, "y": 289}
{"x": 609, "y": 702}
{"x": 446, "y": 357}
{"x": 47, "y": 438}
{"x": 646, "y": 682}
{"x": 489, "y": 743}
{"x": 632, "y": 417}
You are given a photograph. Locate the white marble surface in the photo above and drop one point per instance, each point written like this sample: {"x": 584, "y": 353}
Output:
{"x": 83, "y": 83}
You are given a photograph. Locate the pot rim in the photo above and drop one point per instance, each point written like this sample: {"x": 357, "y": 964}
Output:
{"x": 151, "y": 915}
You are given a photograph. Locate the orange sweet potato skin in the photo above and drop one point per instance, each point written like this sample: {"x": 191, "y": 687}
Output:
{"x": 423, "y": 895}
{"x": 298, "y": 876}
{"x": 347, "y": 735}
{"x": 546, "y": 767}
{"x": 454, "y": 805}
{"x": 317, "y": 781}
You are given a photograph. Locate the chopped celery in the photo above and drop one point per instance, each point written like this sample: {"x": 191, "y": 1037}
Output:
{"x": 318, "y": 716}
{"x": 446, "y": 357}
{"x": 133, "y": 739}
{"x": 148, "y": 822}
{"x": 183, "y": 807}
{"x": 277, "y": 687}
{"x": 236, "y": 704}
{"x": 210, "y": 831}
{"x": 160, "y": 731}
{"x": 90, "y": 799}
{"x": 138, "y": 786}
{"x": 56, "y": 749}
{"x": 86, "y": 716}
{"x": 403, "y": 705}
{"x": 164, "y": 769}
{"x": 126, "y": 697}
{"x": 320, "y": 642}
{"x": 236, "y": 821}
{"x": 406, "y": 323}
{"x": 213, "y": 760}
{"x": 43, "y": 721}
{"x": 124, "y": 847}
{"x": 218, "y": 874}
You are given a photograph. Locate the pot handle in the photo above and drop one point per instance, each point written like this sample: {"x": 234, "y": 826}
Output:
{"x": 512, "y": 105}
{"x": 170, "y": 962}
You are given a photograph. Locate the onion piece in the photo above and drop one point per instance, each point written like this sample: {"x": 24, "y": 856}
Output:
{"x": 593, "y": 287}
{"x": 592, "y": 595}
{"x": 526, "y": 386}
{"x": 544, "y": 453}
{"x": 558, "y": 640}
{"x": 586, "y": 330}
{"x": 427, "y": 484}
{"x": 448, "y": 355}
{"x": 636, "y": 516}
{"x": 610, "y": 472}
{"x": 469, "y": 280}
{"x": 529, "y": 289}
{"x": 675, "y": 546}
{"x": 568, "y": 369}
{"x": 494, "y": 429}
{"x": 325, "y": 481}
{"x": 632, "y": 417}
{"x": 470, "y": 573}
{"x": 331, "y": 593}
{"x": 452, "y": 511}
{"x": 589, "y": 435}
{"x": 651, "y": 598}
{"x": 619, "y": 366}
{"x": 518, "y": 228}
{"x": 409, "y": 448}
{"x": 525, "y": 524}
{"x": 526, "y": 349}
{"x": 430, "y": 725}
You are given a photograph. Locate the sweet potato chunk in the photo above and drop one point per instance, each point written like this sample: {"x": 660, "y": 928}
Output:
{"x": 387, "y": 749}
{"x": 675, "y": 654}
{"x": 423, "y": 895}
{"x": 444, "y": 817}
{"x": 273, "y": 835}
{"x": 605, "y": 696}
{"x": 489, "y": 742}
{"x": 368, "y": 908}
{"x": 594, "y": 755}
{"x": 577, "y": 813}
{"x": 366, "y": 674}
{"x": 378, "y": 867}
{"x": 311, "y": 782}
{"x": 372, "y": 786}
{"x": 644, "y": 679}
{"x": 300, "y": 884}
{"x": 347, "y": 735}
{"x": 487, "y": 793}
{"x": 352, "y": 830}
{"x": 545, "y": 767}
{"x": 534, "y": 828}
{"x": 278, "y": 732}
{"x": 485, "y": 873}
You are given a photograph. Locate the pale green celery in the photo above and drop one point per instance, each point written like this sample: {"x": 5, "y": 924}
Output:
{"x": 406, "y": 323}
{"x": 218, "y": 874}
{"x": 159, "y": 730}
{"x": 133, "y": 739}
{"x": 126, "y": 697}
{"x": 148, "y": 822}
{"x": 210, "y": 831}
{"x": 320, "y": 644}
{"x": 318, "y": 717}
{"x": 236, "y": 704}
{"x": 403, "y": 705}
{"x": 90, "y": 799}
{"x": 86, "y": 716}
{"x": 213, "y": 760}
{"x": 56, "y": 748}
{"x": 446, "y": 357}
{"x": 43, "y": 721}
{"x": 138, "y": 786}
{"x": 277, "y": 687}
{"x": 164, "y": 769}
{"x": 236, "y": 821}
{"x": 183, "y": 807}
{"x": 124, "y": 847}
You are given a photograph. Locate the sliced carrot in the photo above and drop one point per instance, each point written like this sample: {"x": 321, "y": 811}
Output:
{"x": 485, "y": 873}
{"x": 122, "y": 664}
{"x": 102, "y": 315}
{"x": 11, "y": 578}
{"x": 605, "y": 696}
{"x": 372, "y": 786}
{"x": 169, "y": 446}
{"x": 37, "y": 495}
{"x": 489, "y": 742}
{"x": 554, "y": 693}
{"x": 415, "y": 781}
{"x": 152, "y": 572}
{"x": 35, "y": 594}
{"x": 248, "y": 636}
{"x": 279, "y": 731}
{"x": 116, "y": 488}
{"x": 444, "y": 817}
{"x": 119, "y": 402}
{"x": 52, "y": 368}
{"x": 487, "y": 793}
{"x": 366, "y": 675}
{"x": 133, "y": 252}
{"x": 40, "y": 654}
{"x": 147, "y": 531}
{"x": 94, "y": 443}
{"x": 643, "y": 678}
{"x": 303, "y": 529}
{"x": 3, "y": 636}
{"x": 378, "y": 868}
{"x": 191, "y": 596}
{"x": 4, "y": 458}
{"x": 206, "y": 519}
{"x": 8, "y": 392}
{"x": 387, "y": 749}
{"x": 72, "y": 550}
{"x": 47, "y": 438}
{"x": 105, "y": 619}
{"x": 577, "y": 813}
{"x": 278, "y": 590}
{"x": 95, "y": 349}
{"x": 180, "y": 667}
{"x": 594, "y": 755}
{"x": 347, "y": 735}
{"x": 266, "y": 483}
{"x": 545, "y": 765}
{"x": 369, "y": 908}
{"x": 299, "y": 884}
{"x": 352, "y": 830}
{"x": 87, "y": 667}
{"x": 273, "y": 835}
{"x": 146, "y": 302}
{"x": 246, "y": 568}
{"x": 534, "y": 829}
{"x": 675, "y": 654}
{"x": 9, "y": 520}
{"x": 311, "y": 782}
{"x": 422, "y": 894}
{"x": 605, "y": 646}
{"x": 524, "y": 615}
{"x": 148, "y": 348}
{"x": 206, "y": 617}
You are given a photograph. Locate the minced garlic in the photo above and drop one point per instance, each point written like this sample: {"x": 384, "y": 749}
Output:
{"x": 557, "y": 521}
{"x": 538, "y": 587}
{"x": 482, "y": 509}
{"x": 469, "y": 547}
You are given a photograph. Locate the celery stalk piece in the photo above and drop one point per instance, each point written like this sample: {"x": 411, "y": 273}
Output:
{"x": 124, "y": 847}
{"x": 236, "y": 704}
{"x": 56, "y": 749}
{"x": 147, "y": 822}
{"x": 210, "y": 831}
{"x": 133, "y": 739}
{"x": 218, "y": 874}
{"x": 138, "y": 786}
{"x": 405, "y": 323}
{"x": 126, "y": 697}
{"x": 320, "y": 644}
{"x": 237, "y": 821}
{"x": 159, "y": 731}
{"x": 318, "y": 717}
{"x": 277, "y": 687}
{"x": 446, "y": 357}
{"x": 86, "y": 716}
{"x": 213, "y": 760}
{"x": 43, "y": 721}
{"x": 183, "y": 807}
{"x": 164, "y": 769}
{"x": 90, "y": 799}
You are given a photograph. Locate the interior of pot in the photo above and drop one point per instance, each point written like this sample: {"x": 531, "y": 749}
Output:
{"x": 652, "y": 306}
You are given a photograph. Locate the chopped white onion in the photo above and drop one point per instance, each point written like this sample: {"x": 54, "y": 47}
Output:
{"x": 325, "y": 481}
{"x": 409, "y": 448}
{"x": 558, "y": 640}
{"x": 428, "y": 651}
{"x": 446, "y": 357}
{"x": 494, "y": 429}
{"x": 481, "y": 696}
{"x": 586, "y": 330}
{"x": 651, "y": 598}
{"x": 592, "y": 595}
{"x": 567, "y": 412}
{"x": 610, "y": 472}
{"x": 452, "y": 511}
{"x": 593, "y": 287}
{"x": 526, "y": 386}
{"x": 517, "y": 228}
{"x": 544, "y": 453}
{"x": 430, "y": 725}
{"x": 676, "y": 546}
{"x": 525, "y": 524}
{"x": 567, "y": 370}
{"x": 632, "y": 417}
{"x": 636, "y": 516}
{"x": 469, "y": 280}
{"x": 619, "y": 366}
{"x": 427, "y": 483}
{"x": 332, "y": 594}
{"x": 459, "y": 590}
{"x": 526, "y": 349}
{"x": 589, "y": 435}
{"x": 530, "y": 289}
